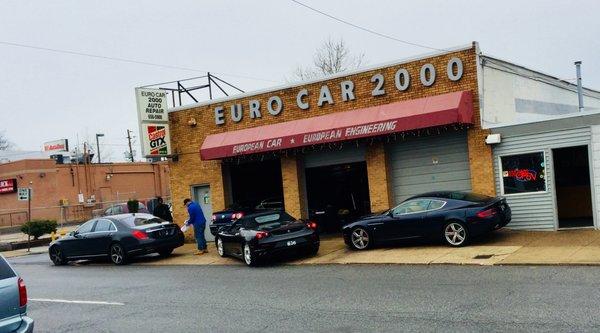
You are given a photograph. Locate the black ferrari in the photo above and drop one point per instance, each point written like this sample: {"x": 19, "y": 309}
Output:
{"x": 256, "y": 237}
{"x": 454, "y": 217}
{"x": 118, "y": 238}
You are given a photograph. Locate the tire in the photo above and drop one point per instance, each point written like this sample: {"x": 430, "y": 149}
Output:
{"x": 313, "y": 251}
{"x": 117, "y": 254}
{"x": 165, "y": 252}
{"x": 57, "y": 256}
{"x": 455, "y": 234}
{"x": 219, "y": 245}
{"x": 360, "y": 239}
{"x": 249, "y": 256}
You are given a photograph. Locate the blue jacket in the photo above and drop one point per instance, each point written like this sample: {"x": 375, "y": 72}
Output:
{"x": 196, "y": 214}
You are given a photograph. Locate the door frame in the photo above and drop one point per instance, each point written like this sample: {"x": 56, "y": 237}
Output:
{"x": 595, "y": 223}
{"x": 207, "y": 235}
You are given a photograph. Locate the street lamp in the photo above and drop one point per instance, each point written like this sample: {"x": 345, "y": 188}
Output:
{"x": 98, "y": 145}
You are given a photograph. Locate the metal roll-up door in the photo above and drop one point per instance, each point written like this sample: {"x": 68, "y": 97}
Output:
{"x": 349, "y": 153}
{"x": 431, "y": 163}
{"x": 536, "y": 211}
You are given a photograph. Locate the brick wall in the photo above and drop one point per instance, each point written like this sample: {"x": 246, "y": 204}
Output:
{"x": 187, "y": 140}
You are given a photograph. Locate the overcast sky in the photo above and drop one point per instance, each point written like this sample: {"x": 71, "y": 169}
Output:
{"x": 46, "y": 95}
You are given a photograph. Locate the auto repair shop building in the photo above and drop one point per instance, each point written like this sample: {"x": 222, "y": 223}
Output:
{"x": 359, "y": 141}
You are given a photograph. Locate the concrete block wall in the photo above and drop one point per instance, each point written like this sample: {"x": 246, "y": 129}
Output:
{"x": 596, "y": 169}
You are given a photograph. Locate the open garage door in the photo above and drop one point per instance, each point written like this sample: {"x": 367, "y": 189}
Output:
{"x": 432, "y": 163}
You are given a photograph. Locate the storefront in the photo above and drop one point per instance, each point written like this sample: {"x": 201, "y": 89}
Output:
{"x": 342, "y": 146}
{"x": 547, "y": 163}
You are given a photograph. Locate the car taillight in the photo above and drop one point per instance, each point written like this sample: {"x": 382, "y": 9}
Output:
{"x": 262, "y": 234}
{"x": 237, "y": 216}
{"x": 312, "y": 225}
{"x": 214, "y": 217}
{"x": 22, "y": 293}
{"x": 139, "y": 234}
{"x": 486, "y": 213}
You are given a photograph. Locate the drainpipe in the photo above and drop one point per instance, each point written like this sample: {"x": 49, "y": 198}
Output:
{"x": 579, "y": 87}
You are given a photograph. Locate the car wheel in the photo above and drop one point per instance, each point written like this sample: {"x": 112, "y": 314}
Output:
{"x": 456, "y": 234}
{"x": 165, "y": 252}
{"x": 313, "y": 251}
{"x": 360, "y": 239}
{"x": 117, "y": 254}
{"x": 249, "y": 257}
{"x": 220, "y": 249}
{"x": 57, "y": 256}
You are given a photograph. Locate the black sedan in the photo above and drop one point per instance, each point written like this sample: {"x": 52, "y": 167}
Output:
{"x": 454, "y": 217}
{"x": 117, "y": 237}
{"x": 229, "y": 215}
{"x": 255, "y": 237}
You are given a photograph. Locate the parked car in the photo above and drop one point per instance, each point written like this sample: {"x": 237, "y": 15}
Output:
{"x": 117, "y": 237}
{"x": 122, "y": 208}
{"x": 226, "y": 217}
{"x": 454, "y": 217}
{"x": 13, "y": 301}
{"x": 257, "y": 237}
{"x": 270, "y": 204}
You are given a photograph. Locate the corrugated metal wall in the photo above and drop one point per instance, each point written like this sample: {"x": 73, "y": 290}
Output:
{"x": 348, "y": 154}
{"x": 432, "y": 163}
{"x": 536, "y": 210}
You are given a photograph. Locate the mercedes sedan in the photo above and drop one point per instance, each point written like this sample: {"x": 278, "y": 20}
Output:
{"x": 256, "y": 237}
{"x": 118, "y": 238}
{"x": 454, "y": 217}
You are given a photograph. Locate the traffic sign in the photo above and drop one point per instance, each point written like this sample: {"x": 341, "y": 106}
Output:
{"x": 23, "y": 194}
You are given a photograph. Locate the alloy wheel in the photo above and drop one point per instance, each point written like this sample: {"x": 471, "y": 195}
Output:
{"x": 220, "y": 247}
{"x": 116, "y": 254}
{"x": 455, "y": 234}
{"x": 360, "y": 238}
{"x": 56, "y": 256}
{"x": 247, "y": 255}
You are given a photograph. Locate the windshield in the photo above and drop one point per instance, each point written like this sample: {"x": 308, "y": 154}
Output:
{"x": 269, "y": 221}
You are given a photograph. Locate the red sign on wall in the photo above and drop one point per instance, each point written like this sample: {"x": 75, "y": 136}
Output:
{"x": 8, "y": 186}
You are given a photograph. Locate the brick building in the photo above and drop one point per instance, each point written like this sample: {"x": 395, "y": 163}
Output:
{"x": 342, "y": 142}
{"x": 363, "y": 141}
{"x": 73, "y": 191}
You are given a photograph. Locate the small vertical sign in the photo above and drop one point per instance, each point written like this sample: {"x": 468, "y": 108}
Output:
{"x": 154, "y": 122}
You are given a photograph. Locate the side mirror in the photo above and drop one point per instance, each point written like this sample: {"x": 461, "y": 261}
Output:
{"x": 75, "y": 234}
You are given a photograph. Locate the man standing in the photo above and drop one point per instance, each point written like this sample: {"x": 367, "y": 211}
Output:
{"x": 162, "y": 210}
{"x": 196, "y": 219}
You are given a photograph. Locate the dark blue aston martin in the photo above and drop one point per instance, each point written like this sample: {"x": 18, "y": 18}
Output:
{"x": 454, "y": 217}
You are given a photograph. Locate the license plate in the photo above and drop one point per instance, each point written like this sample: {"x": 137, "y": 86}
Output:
{"x": 291, "y": 243}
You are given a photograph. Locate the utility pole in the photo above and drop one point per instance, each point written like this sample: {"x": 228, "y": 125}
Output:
{"x": 129, "y": 141}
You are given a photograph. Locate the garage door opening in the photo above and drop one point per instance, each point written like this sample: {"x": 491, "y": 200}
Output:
{"x": 337, "y": 194}
{"x": 256, "y": 184}
{"x": 573, "y": 190}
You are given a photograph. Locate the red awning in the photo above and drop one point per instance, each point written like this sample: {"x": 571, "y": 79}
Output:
{"x": 446, "y": 109}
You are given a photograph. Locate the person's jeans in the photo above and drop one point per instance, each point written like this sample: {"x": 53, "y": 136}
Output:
{"x": 199, "y": 234}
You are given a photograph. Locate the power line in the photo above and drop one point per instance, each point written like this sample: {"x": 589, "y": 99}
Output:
{"x": 365, "y": 29}
{"x": 131, "y": 61}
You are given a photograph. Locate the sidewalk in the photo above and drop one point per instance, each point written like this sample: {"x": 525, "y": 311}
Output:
{"x": 574, "y": 247}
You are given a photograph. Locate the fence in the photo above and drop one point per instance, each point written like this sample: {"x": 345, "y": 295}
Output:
{"x": 65, "y": 214}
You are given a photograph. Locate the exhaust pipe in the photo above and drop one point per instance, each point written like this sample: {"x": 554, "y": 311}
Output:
{"x": 579, "y": 87}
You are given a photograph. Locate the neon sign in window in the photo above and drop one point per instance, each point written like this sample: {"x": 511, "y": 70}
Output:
{"x": 523, "y": 173}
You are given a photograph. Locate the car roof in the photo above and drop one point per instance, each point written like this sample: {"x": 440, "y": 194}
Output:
{"x": 452, "y": 195}
{"x": 120, "y": 217}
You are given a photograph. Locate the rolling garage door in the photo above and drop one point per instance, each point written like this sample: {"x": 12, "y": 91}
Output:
{"x": 432, "y": 163}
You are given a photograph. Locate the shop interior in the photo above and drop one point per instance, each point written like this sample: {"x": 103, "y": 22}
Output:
{"x": 337, "y": 194}
{"x": 573, "y": 190}
{"x": 255, "y": 183}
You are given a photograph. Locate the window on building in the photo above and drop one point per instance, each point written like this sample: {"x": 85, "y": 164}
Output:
{"x": 523, "y": 173}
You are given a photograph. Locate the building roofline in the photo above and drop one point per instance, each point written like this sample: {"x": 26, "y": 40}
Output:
{"x": 329, "y": 77}
{"x": 541, "y": 75}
